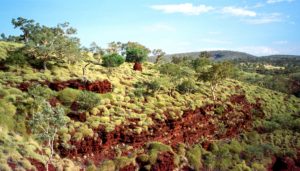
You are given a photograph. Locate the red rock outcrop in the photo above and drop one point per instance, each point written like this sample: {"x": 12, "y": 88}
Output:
{"x": 137, "y": 66}
{"x": 164, "y": 162}
{"x": 283, "y": 164}
{"x": 96, "y": 86}
{"x": 188, "y": 129}
{"x": 130, "y": 167}
{"x": 40, "y": 166}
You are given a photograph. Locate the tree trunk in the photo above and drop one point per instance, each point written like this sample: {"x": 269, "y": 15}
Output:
{"x": 45, "y": 65}
{"x": 51, "y": 155}
{"x": 83, "y": 72}
{"x": 213, "y": 88}
{"x": 158, "y": 58}
{"x": 137, "y": 66}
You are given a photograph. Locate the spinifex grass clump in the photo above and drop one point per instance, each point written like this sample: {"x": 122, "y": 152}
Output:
{"x": 87, "y": 100}
{"x": 139, "y": 106}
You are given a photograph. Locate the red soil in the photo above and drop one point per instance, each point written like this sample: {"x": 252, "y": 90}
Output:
{"x": 130, "y": 167}
{"x": 164, "y": 162}
{"x": 284, "y": 164}
{"x": 3, "y": 67}
{"x": 11, "y": 164}
{"x": 189, "y": 129}
{"x": 53, "y": 101}
{"x": 24, "y": 86}
{"x": 77, "y": 116}
{"x": 40, "y": 166}
{"x": 137, "y": 67}
{"x": 97, "y": 86}
{"x": 187, "y": 168}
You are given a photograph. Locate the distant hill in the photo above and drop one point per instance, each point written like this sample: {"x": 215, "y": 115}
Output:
{"x": 223, "y": 55}
{"x": 217, "y": 55}
{"x": 281, "y": 56}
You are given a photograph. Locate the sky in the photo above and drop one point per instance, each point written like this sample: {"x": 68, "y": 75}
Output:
{"x": 259, "y": 27}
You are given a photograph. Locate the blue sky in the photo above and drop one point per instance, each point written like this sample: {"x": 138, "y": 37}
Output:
{"x": 259, "y": 27}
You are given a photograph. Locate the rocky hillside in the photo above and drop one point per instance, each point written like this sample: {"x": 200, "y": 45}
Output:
{"x": 116, "y": 121}
{"x": 223, "y": 55}
{"x": 217, "y": 55}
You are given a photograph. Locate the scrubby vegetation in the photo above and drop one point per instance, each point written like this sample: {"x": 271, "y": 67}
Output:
{"x": 189, "y": 114}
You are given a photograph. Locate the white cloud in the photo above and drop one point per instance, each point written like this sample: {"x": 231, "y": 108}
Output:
{"x": 280, "y": 42}
{"x": 266, "y": 19}
{"x": 259, "y": 5}
{"x": 238, "y": 12}
{"x": 278, "y": 1}
{"x": 186, "y": 8}
{"x": 258, "y": 50}
{"x": 214, "y": 33}
{"x": 160, "y": 27}
{"x": 215, "y": 41}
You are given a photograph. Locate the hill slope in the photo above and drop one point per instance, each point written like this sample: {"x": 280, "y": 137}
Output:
{"x": 132, "y": 128}
{"x": 224, "y": 55}
{"x": 217, "y": 55}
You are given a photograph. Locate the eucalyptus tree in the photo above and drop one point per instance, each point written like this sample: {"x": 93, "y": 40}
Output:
{"x": 136, "y": 53}
{"x": 49, "y": 43}
{"x": 216, "y": 74}
{"x": 159, "y": 55}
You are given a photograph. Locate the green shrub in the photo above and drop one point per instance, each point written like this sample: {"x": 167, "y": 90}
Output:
{"x": 153, "y": 86}
{"x": 258, "y": 167}
{"x": 199, "y": 64}
{"x": 112, "y": 60}
{"x": 241, "y": 166}
{"x": 224, "y": 163}
{"x": 296, "y": 125}
{"x": 21, "y": 126}
{"x": 213, "y": 147}
{"x": 159, "y": 146}
{"x": 187, "y": 86}
{"x": 7, "y": 112}
{"x": 219, "y": 109}
{"x": 136, "y": 52}
{"x": 87, "y": 100}
{"x": 254, "y": 152}
{"x": 209, "y": 160}
{"x": 3, "y": 93}
{"x": 285, "y": 121}
{"x": 194, "y": 157}
{"x": 175, "y": 70}
{"x": 144, "y": 158}
{"x": 139, "y": 92}
{"x": 181, "y": 149}
{"x": 107, "y": 165}
{"x": 155, "y": 148}
{"x": 271, "y": 126}
{"x": 91, "y": 167}
{"x": 40, "y": 91}
{"x": 68, "y": 95}
{"x": 17, "y": 58}
{"x": 235, "y": 146}
{"x": 121, "y": 162}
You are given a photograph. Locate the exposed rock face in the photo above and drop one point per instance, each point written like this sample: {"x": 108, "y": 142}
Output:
{"x": 97, "y": 86}
{"x": 164, "y": 162}
{"x": 137, "y": 66}
{"x": 24, "y": 86}
{"x": 284, "y": 164}
{"x": 40, "y": 166}
{"x": 130, "y": 167}
{"x": 188, "y": 129}
{"x": 3, "y": 67}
